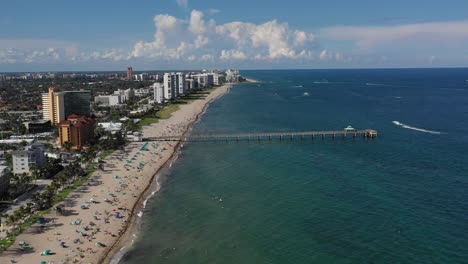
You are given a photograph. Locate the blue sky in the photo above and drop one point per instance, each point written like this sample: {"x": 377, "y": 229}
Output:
{"x": 192, "y": 34}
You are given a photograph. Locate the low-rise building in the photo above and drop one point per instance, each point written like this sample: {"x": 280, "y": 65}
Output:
{"x": 111, "y": 127}
{"x": 125, "y": 95}
{"x": 142, "y": 110}
{"x": 108, "y": 100}
{"x": 142, "y": 92}
{"x": 24, "y": 160}
{"x": 37, "y": 126}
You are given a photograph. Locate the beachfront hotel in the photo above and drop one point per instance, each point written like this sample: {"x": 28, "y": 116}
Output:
{"x": 58, "y": 105}
{"x": 78, "y": 130}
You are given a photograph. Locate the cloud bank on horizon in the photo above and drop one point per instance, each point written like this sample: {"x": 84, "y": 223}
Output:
{"x": 200, "y": 40}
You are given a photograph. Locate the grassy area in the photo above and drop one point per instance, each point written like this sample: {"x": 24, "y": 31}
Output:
{"x": 147, "y": 121}
{"x": 167, "y": 111}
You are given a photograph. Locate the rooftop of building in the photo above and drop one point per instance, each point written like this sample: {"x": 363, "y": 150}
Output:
{"x": 77, "y": 121}
{"x": 39, "y": 121}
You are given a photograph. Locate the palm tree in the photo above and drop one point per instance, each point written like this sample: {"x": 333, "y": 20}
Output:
{"x": 35, "y": 173}
{"x": 67, "y": 146}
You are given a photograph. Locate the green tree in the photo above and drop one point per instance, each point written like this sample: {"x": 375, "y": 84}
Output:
{"x": 67, "y": 146}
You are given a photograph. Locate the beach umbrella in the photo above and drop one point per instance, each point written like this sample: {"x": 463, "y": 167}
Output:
{"x": 45, "y": 252}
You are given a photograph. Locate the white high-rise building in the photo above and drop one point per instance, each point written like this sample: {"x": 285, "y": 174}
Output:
{"x": 218, "y": 79}
{"x": 168, "y": 82}
{"x": 182, "y": 85}
{"x": 158, "y": 89}
{"x": 171, "y": 86}
{"x": 201, "y": 80}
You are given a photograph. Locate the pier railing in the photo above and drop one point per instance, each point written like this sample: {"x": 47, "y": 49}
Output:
{"x": 366, "y": 133}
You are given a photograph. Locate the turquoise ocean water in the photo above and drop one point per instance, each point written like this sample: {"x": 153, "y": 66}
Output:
{"x": 402, "y": 198}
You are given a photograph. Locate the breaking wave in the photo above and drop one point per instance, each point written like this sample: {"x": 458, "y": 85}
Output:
{"x": 415, "y": 128}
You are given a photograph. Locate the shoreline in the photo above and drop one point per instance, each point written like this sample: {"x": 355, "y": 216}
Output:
{"x": 124, "y": 188}
{"x": 122, "y": 244}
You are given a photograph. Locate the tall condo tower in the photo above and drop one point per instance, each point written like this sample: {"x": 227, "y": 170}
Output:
{"x": 58, "y": 105}
{"x": 129, "y": 73}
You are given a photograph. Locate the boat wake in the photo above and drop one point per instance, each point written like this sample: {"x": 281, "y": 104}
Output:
{"x": 296, "y": 86}
{"x": 376, "y": 84}
{"x": 416, "y": 128}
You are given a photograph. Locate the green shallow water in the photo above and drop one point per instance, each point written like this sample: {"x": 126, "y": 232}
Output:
{"x": 398, "y": 199}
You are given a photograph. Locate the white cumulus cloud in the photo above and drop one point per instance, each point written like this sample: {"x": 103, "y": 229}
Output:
{"x": 232, "y": 55}
{"x": 177, "y": 38}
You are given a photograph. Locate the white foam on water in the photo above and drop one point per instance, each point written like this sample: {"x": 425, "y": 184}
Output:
{"x": 416, "y": 128}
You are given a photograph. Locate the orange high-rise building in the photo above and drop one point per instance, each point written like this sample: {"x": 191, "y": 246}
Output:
{"x": 49, "y": 109}
{"x": 79, "y": 130}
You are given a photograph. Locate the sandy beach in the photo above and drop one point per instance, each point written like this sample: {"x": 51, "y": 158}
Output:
{"x": 100, "y": 215}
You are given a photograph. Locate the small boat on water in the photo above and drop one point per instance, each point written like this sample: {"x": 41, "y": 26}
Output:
{"x": 349, "y": 128}
{"x": 306, "y": 94}
{"x": 321, "y": 81}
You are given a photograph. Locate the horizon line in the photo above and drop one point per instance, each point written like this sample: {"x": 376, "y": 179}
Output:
{"x": 240, "y": 69}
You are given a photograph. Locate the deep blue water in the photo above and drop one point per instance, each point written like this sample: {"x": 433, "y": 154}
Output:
{"x": 402, "y": 198}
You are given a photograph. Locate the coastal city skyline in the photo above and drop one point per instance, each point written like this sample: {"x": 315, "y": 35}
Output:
{"x": 207, "y": 131}
{"x": 184, "y": 34}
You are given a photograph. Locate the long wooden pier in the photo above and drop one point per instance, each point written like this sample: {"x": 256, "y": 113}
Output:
{"x": 366, "y": 134}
